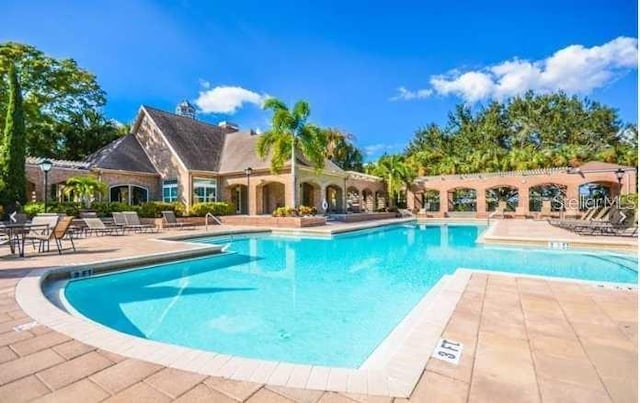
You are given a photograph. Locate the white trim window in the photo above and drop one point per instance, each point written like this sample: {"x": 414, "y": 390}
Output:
{"x": 170, "y": 190}
{"x": 205, "y": 190}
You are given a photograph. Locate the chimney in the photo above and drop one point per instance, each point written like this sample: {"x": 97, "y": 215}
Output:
{"x": 232, "y": 127}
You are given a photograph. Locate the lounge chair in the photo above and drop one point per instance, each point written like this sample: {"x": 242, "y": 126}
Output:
{"x": 610, "y": 222}
{"x": 98, "y": 227}
{"x": 59, "y": 231}
{"x": 133, "y": 222}
{"x": 586, "y": 216}
{"x": 170, "y": 221}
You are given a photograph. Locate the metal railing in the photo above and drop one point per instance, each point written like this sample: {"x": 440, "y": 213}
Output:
{"x": 206, "y": 220}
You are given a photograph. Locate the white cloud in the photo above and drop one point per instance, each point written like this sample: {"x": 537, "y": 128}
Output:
{"x": 405, "y": 95}
{"x": 574, "y": 69}
{"x": 227, "y": 99}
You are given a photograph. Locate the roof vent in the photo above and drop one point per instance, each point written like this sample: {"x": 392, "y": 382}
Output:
{"x": 228, "y": 125}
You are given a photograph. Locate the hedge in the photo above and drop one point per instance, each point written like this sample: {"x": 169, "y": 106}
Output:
{"x": 215, "y": 208}
{"x": 104, "y": 209}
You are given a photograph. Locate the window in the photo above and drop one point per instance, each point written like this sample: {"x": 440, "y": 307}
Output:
{"x": 129, "y": 194}
{"x": 170, "y": 191}
{"x": 204, "y": 190}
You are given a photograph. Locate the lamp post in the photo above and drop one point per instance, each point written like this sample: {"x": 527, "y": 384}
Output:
{"x": 619, "y": 176}
{"x": 248, "y": 171}
{"x": 46, "y": 166}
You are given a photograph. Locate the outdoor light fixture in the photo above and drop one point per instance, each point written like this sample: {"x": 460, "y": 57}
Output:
{"x": 46, "y": 166}
{"x": 620, "y": 175}
{"x": 248, "y": 171}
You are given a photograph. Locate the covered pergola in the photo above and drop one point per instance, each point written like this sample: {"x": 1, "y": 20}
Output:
{"x": 522, "y": 193}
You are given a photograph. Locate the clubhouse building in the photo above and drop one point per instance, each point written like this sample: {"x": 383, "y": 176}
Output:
{"x": 175, "y": 157}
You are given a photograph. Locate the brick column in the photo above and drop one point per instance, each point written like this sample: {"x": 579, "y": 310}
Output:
{"x": 481, "y": 203}
{"x": 444, "y": 202}
{"x": 252, "y": 198}
{"x": 572, "y": 201}
{"x": 523, "y": 201}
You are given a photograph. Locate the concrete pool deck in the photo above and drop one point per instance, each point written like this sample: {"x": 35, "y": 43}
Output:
{"x": 526, "y": 339}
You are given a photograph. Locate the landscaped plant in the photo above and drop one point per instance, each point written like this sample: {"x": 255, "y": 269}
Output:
{"x": 215, "y": 208}
{"x": 84, "y": 189}
{"x": 285, "y": 212}
{"x": 307, "y": 211}
{"x": 67, "y": 208}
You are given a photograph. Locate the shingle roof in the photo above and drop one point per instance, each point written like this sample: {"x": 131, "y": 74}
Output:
{"x": 239, "y": 152}
{"x": 124, "y": 154}
{"x": 198, "y": 144}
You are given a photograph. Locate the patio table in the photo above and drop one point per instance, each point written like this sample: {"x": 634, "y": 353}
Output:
{"x": 18, "y": 232}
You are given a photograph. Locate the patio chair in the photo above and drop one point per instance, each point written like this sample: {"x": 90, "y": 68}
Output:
{"x": 59, "y": 231}
{"x": 133, "y": 222}
{"x": 171, "y": 221}
{"x": 97, "y": 226}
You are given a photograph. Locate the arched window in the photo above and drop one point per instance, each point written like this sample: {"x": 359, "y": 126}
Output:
{"x": 507, "y": 195}
{"x": 550, "y": 192}
{"x": 462, "y": 199}
{"x": 431, "y": 200}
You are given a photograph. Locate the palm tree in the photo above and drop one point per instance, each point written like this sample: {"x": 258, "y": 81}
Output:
{"x": 396, "y": 172}
{"x": 290, "y": 134}
{"x": 84, "y": 188}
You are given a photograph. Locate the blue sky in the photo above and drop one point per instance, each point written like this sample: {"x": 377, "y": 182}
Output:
{"x": 348, "y": 59}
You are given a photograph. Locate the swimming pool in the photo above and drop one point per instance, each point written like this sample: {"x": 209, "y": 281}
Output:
{"x": 311, "y": 300}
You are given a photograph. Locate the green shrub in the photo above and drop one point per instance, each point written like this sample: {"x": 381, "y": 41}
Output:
{"x": 68, "y": 208}
{"x": 285, "y": 212}
{"x": 306, "y": 211}
{"x": 33, "y": 209}
{"x": 104, "y": 209}
{"x": 215, "y": 208}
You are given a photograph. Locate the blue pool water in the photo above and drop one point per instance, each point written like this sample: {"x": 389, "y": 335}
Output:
{"x": 314, "y": 301}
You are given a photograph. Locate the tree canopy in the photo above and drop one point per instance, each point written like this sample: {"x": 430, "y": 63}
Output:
{"x": 342, "y": 151}
{"x": 62, "y": 103}
{"x": 12, "y": 156}
{"x": 527, "y": 132}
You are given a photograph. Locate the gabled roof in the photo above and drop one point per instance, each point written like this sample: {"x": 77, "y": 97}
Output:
{"x": 198, "y": 144}
{"x": 124, "y": 154}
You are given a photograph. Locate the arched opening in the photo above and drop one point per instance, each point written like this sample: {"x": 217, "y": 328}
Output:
{"x": 310, "y": 194}
{"x": 354, "y": 200}
{"x": 552, "y": 194}
{"x": 368, "y": 203}
{"x": 129, "y": 194}
{"x": 380, "y": 201}
{"x": 272, "y": 197}
{"x": 431, "y": 200}
{"x": 596, "y": 194}
{"x": 240, "y": 199}
{"x": 506, "y": 197}
{"x": 462, "y": 200}
{"x": 333, "y": 196}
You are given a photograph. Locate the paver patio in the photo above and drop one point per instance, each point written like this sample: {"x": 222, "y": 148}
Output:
{"x": 524, "y": 340}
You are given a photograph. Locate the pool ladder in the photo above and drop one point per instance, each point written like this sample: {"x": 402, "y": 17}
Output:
{"x": 206, "y": 220}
